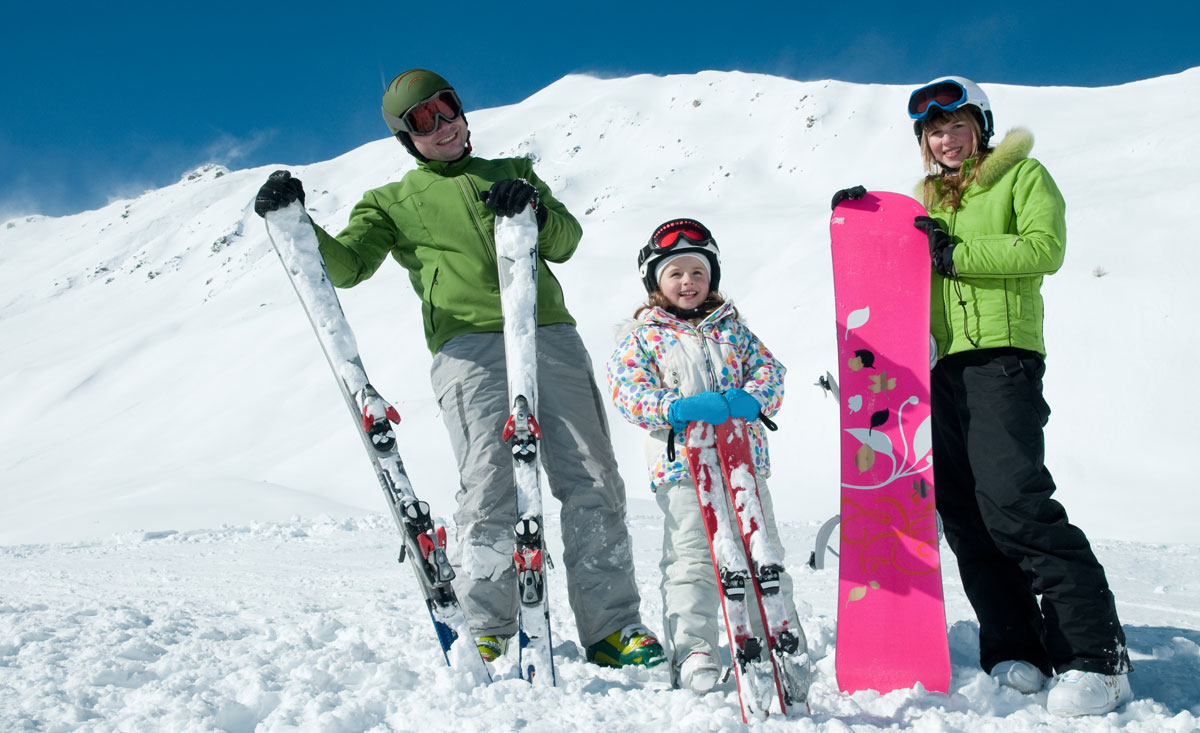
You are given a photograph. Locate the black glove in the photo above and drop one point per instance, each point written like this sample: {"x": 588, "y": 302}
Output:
{"x": 853, "y": 194}
{"x": 941, "y": 249}
{"x": 278, "y": 192}
{"x": 510, "y": 196}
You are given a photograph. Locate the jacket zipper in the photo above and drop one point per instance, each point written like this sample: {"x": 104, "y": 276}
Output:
{"x": 469, "y": 198}
{"x": 432, "y": 286}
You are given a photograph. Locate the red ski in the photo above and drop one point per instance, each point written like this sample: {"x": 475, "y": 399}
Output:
{"x": 743, "y": 560}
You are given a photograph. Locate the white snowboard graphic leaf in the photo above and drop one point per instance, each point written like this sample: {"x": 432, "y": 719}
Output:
{"x": 854, "y": 403}
{"x": 923, "y": 442}
{"x": 857, "y": 318}
{"x": 880, "y": 442}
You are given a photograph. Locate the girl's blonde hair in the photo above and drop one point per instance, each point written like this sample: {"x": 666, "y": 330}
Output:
{"x": 658, "y": 300}
{"x": 943, "y": 188}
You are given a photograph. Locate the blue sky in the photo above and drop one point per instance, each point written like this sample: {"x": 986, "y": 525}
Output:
{"x": 104, "y": 101}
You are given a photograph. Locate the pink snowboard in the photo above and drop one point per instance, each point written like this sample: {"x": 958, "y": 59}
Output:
{"x": 891, "y": 631}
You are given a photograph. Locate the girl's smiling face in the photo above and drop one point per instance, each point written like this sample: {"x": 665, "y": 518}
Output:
{"x": 684, "y": 282}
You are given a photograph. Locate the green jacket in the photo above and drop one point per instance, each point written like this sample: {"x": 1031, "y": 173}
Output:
{"x": 433, "y": 223}
{"x": 1010, "y": 231}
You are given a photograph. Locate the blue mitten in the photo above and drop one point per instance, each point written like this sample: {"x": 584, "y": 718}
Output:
{"x": 709, "y": 407}
{"x": 742, "y": 404}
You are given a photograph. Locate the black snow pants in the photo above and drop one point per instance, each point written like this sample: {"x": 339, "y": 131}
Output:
{"x": 1011, "y": 539}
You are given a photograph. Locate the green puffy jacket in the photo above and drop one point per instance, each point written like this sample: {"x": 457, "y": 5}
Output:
{"x": 1010, "y": 231}
{"x": 433, "y": 223}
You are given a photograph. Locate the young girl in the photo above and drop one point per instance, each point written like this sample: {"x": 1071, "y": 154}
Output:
{"x": 689, "y": 357}
{"x": 996, "y": 227}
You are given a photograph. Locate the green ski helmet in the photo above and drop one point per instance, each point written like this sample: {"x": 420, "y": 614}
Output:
{"x": 406, "y": 90}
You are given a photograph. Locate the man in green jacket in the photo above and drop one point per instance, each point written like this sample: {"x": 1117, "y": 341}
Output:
{"x": 437, "y": 222}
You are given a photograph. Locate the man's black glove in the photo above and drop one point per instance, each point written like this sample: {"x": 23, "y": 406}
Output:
{"x": 853, "y": 194}
{"x": 510, "y": 196}
{"x": 941, "y": 249}
{"x": 278, "y": 192}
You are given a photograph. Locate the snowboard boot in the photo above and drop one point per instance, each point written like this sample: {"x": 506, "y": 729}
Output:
{"x": 1076, "y": 692}
{"x": 633, "y": 645}
{"x": 1019, "y": 675}
{"x": 699, "y": 673}
{"x": 492, "y": 648}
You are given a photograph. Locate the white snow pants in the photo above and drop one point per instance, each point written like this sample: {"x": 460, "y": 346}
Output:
{"x": 691, "y": 598}
{"x": 471, "y": 384}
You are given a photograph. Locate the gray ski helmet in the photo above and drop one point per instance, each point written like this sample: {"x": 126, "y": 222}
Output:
{"x": 676, "y": 237}
{"x": 947, "y": 94}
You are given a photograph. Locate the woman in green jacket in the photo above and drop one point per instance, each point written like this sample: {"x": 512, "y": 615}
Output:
{"x": 996, "y": 227}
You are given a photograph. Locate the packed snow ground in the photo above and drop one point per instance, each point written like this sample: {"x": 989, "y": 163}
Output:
{"x": 159, "y": 380}
{"x": 311, "y": 625}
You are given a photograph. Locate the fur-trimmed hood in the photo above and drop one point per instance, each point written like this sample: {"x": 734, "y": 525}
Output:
{"x": 1015, "y": 147}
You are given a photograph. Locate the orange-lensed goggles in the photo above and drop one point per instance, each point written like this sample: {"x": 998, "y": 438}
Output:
{"x": 945, "y": 95}
{"x": 667, "y": 235}
{"x": 424, "y": 117}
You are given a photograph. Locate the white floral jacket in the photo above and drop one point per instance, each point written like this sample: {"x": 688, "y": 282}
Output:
{"x": 664, "y": 358}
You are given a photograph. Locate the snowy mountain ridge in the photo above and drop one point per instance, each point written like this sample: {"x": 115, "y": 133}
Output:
{"x": 160, "y": 332}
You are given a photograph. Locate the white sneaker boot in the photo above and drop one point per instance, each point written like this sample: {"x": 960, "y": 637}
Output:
{"x": 699, "y": 672}
{"x": 1075, "y": 692}
{"x": 1019, "y": 675}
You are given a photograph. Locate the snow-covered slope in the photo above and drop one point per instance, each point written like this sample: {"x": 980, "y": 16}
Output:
{"x": 157, "y": 372}
{"x": 221, "y": 559}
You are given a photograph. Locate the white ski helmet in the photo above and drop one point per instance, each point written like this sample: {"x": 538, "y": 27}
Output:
{"x": 948, "y": 93}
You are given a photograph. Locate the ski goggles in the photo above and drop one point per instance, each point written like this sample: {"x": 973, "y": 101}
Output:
{"x": 667, "y": 236}
{"x": 423, "y": 117}
{"x": 945, "y": 95}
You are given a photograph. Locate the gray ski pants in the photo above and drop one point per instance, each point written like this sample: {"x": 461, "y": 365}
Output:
{"x": 471, "y": 384}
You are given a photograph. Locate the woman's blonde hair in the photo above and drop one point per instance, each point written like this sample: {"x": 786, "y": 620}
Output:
{"x": 944, "y": 187}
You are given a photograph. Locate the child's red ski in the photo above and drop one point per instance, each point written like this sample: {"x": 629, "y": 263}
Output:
{"x": 751, "y": 665}
{"x": 783, "y": 642}
{"x": 764, "y": 671}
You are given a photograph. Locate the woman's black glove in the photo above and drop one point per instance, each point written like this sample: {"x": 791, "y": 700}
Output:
{"x": 278, "y": 192}
{"x": 941, "y": 249}
{"x": 854, "y": 194}
{"x": 510, "y": 196}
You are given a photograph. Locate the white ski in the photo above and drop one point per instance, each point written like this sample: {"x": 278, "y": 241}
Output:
{"x": 516, "y": 255}
{"x": 293, "y": 239}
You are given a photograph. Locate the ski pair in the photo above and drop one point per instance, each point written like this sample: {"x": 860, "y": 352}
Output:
{"x": 745, "y": 563}
{"x": 293, "y": 239}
